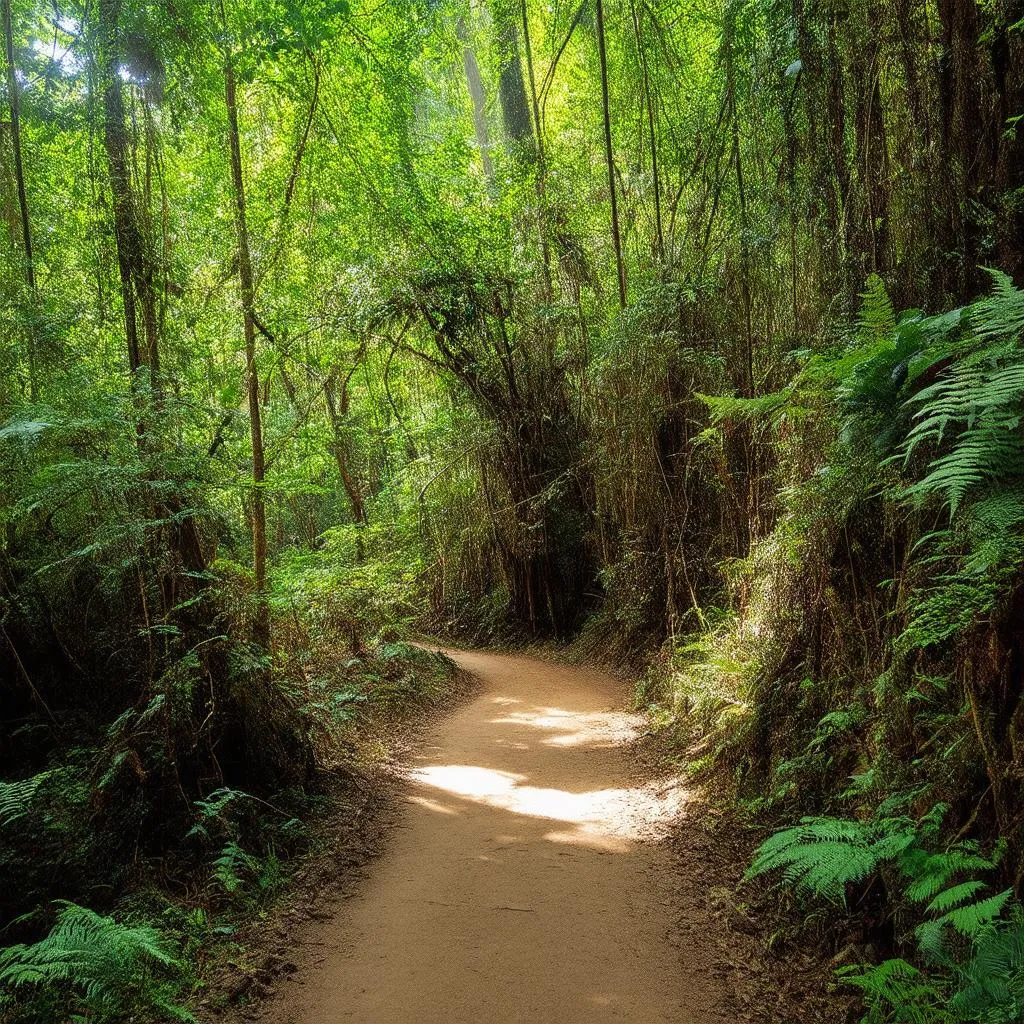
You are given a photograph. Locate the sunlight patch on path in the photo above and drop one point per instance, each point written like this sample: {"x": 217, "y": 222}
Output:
{"x": 578, "y": 728}
{"x": 640, "y": 812}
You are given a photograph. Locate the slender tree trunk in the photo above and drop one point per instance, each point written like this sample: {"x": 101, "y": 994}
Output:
{"x": 13, "y": 99}
{"x": 133, "y": 262}
{"x": 476, "y": 92}
{"x": 609, "y": 156}
{"x": 541, "y": 162}
{"x": 649, "y": 101}
{"x": 337, "y": 413}
{"x": 737, "y": 156}
{"x": 261, "y": 628}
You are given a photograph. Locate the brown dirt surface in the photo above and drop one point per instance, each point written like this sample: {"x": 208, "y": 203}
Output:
{"x": 540, "y": 868}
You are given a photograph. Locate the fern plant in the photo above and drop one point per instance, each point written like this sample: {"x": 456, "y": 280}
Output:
{"x": 977, "y": 953}
{"x": 941, "y": 400}
{"x": 820, "y": 856}
{"x": 16, "y": 797}
{"x": 112, "y": 970}
{"x": 986, "y": 986}
{"x": 970, "y": 415}
{"x": 990, "y": 986}
{"x": 895, "y": 990}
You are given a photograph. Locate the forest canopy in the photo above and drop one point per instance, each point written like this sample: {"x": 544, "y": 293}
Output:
{"x": 688, "y": 331}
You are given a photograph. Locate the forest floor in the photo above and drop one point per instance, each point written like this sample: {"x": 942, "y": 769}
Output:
{"x": 538, "y": 865}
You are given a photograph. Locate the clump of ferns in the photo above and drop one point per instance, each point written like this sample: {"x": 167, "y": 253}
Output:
{"x": 967, "y": 941}
{"x": 943, "y": 399}
{"x": 92, "y": 968}
{"x": 235, "y": 825}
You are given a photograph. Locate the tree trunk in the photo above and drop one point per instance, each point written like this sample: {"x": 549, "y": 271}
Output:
{"x": 649, "y": 102}
{"x": 515, "y": 110}
{"x": 541, "y": 180}
{"x": 13, "y": 99}
{"x": 737, "y": 157}
{"x": 261, "y": 625}
{"x": 476, "y": 92}
{"x": 609, "y": 157}
{"x": 873, "y": 166}
{"x": 134, "y": 265}
{"x": 337, "y": 412}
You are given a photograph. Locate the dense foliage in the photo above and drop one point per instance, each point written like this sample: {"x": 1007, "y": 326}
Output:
{"x": 324, "y": 321}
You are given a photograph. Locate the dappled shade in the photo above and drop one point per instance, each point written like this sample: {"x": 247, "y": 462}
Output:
{"x": 608, "y": 817}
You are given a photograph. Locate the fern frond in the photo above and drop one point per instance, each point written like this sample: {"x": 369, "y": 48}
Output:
{"x": 876, "y": 319}
{"x": 970, "y": 919}
{"x": 954, "y": 896}
{"x": 895, "y": 990}
{"x": 991, "y": 984}
{"x": 744, "y": 410}
{"x": 930, "y": 873}
{"x": 16, "y": 797}
{"x": 109, "y": 964}
{"x": 971, "y": 415}
{"x": 1002, "y": 312}
{"x": 820, "y": 857}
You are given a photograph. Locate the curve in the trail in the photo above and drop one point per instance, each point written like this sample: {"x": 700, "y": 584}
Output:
{"x": 524, "y": 882}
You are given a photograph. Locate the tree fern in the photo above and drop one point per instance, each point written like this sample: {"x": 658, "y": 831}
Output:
{"x": 114, "y": 968}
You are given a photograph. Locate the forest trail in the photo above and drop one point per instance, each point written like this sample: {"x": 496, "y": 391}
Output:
{"x": 523, "y": 883}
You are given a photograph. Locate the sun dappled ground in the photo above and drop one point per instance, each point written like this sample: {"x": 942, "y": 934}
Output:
{"x": 541, "y": 871}
{"x": 525, "y": 881}
{"x": 574, "y": 728}
{"x": 616, "y": 813}
{"x": 621, "y": 813}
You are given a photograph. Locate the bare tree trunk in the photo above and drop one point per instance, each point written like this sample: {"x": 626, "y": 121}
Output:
{"x": 616, "y": 234}
{"x": 19, "y": 177}
{"x": 476, "y": 92}
{"x": 261, "y": 625}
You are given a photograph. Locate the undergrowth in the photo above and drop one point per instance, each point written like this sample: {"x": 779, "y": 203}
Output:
{"x": 160, "y": 773}
{"x": 866, "y": 672}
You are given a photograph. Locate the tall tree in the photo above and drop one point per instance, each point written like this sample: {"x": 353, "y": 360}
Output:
{"x": 258, "y": 503}
{"x": 515, "y": 108}
{"x": 648, "y": 103}
{"x": 476, "y": 93}
{"x": 609, "y": 155}
{"x": 135, "y": 265}
{"x": 13, "y": 99}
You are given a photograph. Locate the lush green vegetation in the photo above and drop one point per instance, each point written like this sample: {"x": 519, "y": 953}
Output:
{"x": 660, "y": 325}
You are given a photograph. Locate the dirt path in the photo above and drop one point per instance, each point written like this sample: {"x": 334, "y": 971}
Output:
{"x": 522, "y": 884}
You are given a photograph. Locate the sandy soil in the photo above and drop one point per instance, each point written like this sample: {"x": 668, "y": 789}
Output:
{"x": 523, "y": 881}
